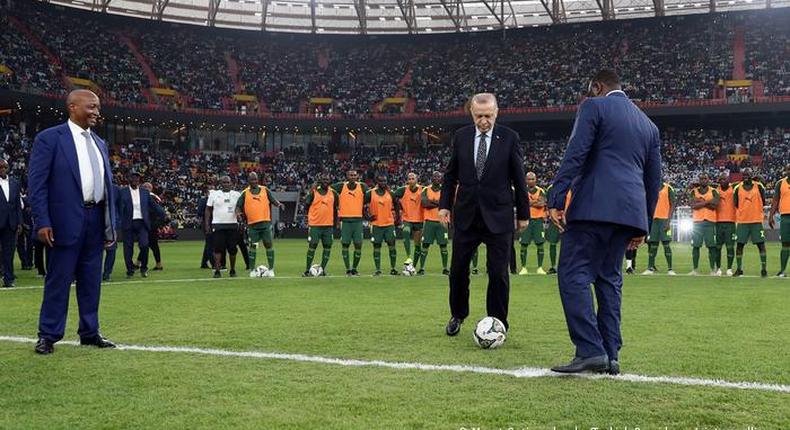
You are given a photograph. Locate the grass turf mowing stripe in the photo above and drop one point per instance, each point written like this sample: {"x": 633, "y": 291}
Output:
{"x": 159, "y": 281}
{"x": 523, "y": 372}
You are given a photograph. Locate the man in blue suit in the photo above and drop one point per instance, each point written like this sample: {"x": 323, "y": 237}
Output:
{"x": 68, "y": 185}
{"x": 109, "y": 253}
{"x": 136, "y": 206}
{"x": 613, "y": 165}
{"x": 486, "y": 166}
{"x": 10, "y": 222}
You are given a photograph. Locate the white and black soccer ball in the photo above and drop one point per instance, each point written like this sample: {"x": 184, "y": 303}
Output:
{"x": 489, "y": 333}
{"x": 261, "y": 271}
{"x": 316, "y": 270}
{"x": 409, "y": 270}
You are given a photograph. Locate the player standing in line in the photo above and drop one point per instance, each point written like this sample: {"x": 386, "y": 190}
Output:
{"x": 661, "y": 230}
{"x": 725, "y": 223}
{"x": 322, "y": 203}
{"x": 433, "y": 231}
{"x": 384, "y": 214}
{"x": 704, "y": 201}
{"x": 409, "y": 198}
{"x": 781, "y": 204}
{"x": 534, "y": 232}
{"x": 749, "y": 198}
{"x": 254, "y": 206}
{"x": 352, "y": 197}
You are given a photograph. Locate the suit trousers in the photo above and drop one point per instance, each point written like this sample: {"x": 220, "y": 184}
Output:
{"x": 138, "y": 233}
{"x": 80, "y": 261}
{"x": 109, "y": 259}
{"x": 498, "y": 249}
{"x": 592, "y": 254}
{"x": 8, "y": 246}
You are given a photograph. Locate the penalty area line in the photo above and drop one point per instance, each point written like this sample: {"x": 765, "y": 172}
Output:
{"x": 522, "y": 372}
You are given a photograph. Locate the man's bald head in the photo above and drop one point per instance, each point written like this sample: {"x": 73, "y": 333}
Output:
{"x": 83, "y": 107}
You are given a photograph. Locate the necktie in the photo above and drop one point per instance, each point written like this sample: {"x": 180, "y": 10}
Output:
{"x": 98, "y": 182}
{"x": 480, "y": 164}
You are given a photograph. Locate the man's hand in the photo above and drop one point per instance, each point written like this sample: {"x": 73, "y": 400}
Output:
{"x": 635, "y": 243}
{"x": 46, "y": 236}
{"x": 108, "y": 244}
{"x": 207, "y": 229}
{"x": 557, "y": 217}
{"x": 521, "y": 225}
{"x": 281, "y": 205}
{"x": 444, "y": 217}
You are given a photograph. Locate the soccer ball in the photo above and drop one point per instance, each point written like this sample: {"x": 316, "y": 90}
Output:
{"x": 409, "y": 270}
{"x": 489, "y": 333}
{"x": 261, "y": 271}
{"x": 316, "y": 270}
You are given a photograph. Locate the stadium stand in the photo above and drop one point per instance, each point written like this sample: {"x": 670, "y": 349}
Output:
{"x": 663, "y": 60}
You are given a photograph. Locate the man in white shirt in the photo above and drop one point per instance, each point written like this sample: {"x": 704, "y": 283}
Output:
{"x": 136, "y": 207}
{"x": 10, "y": 222}
{"x": 223, "y": 225}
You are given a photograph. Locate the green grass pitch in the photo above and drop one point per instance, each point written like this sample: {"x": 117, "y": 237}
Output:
{"x": 702, "y": 327}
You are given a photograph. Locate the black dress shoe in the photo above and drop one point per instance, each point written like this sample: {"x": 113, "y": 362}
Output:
{"x": 97, "y": 341}
{"x": 144, "y": 274}
{"x": 475, "y": 272}
{"x": 233, "y": 273}
{"x": 454, "y": 326}
{"x": 552, "y": 271}
{"x": 217, "y": 274}
{"x": 614, "y": 367}
{"x": 44, "y": 346}
{"x": 446, "y": 272}
{"x": 738, "y": 273}
{"x": 9, "y": 285}
{"x": 597, "y": 364}
{"x": 105, "y": 278}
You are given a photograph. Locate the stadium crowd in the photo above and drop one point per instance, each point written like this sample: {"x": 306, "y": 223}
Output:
{"x": 666, "y": 59}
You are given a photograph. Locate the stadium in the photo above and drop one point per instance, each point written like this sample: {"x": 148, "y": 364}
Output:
{"x": 318, "y": 323}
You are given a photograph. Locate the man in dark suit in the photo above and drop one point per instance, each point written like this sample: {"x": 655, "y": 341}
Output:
{"x": 68, "y": 182}
{"x": 613, "y": 165}
{"x": 135, "y": 220}
{"x": 10, "y": 221}
{"x": 487, "y": 165}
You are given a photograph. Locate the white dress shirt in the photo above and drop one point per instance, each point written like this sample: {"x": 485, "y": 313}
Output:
{"x": 86, "y": 173}
{"x": 615, "y": 91}
{"x": 136, "y": 212}
{"x": 489, "y": 135}
{"x": 5, "y": 185}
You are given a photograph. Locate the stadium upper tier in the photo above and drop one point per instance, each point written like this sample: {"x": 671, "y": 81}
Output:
{"x": 135, "y": 62}
{"x": 401, "y": 16}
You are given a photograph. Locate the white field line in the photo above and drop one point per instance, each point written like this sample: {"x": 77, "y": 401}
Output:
{"x": 523, "y": 372}
{"x": 241, "y": 278}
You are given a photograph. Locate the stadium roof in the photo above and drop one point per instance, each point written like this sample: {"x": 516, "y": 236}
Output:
{"x": 402, "y": 16}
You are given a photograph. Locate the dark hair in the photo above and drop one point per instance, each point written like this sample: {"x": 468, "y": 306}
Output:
{"x": 608, "y": 78}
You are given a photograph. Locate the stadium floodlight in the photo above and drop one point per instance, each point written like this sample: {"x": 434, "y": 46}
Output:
{"x": 686, "y": 225}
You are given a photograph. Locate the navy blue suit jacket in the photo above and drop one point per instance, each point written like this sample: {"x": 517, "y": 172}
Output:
{"x": 10, "y": 208}
{"x": 147, "y": 204}
{"x": 55, "y": 187}
{"x": 612, "y": 164}
{"x": 493, "y": 193}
